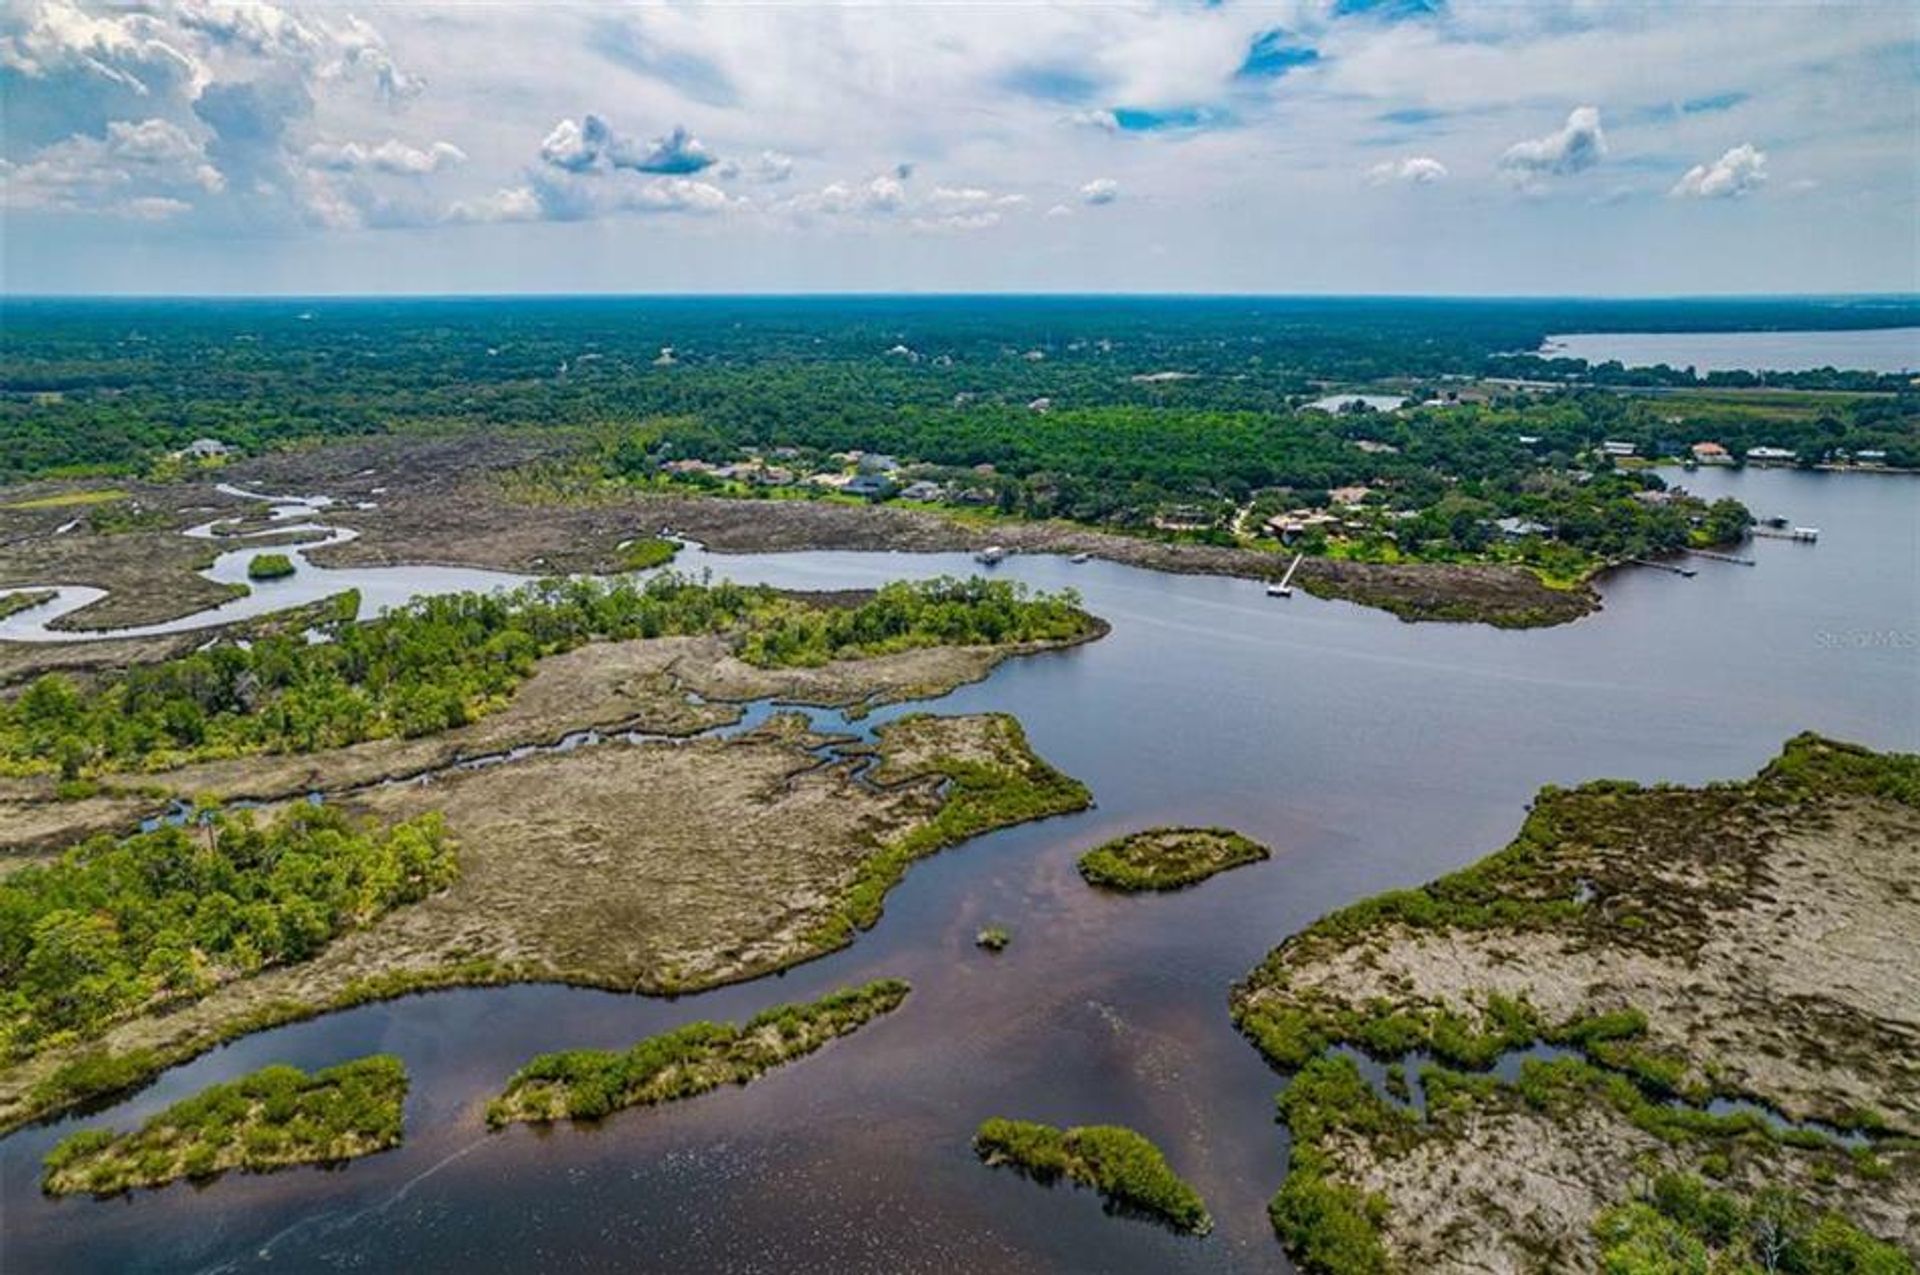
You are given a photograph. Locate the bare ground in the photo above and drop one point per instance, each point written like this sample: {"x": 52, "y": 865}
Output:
{"x": 1506, "y": 1190}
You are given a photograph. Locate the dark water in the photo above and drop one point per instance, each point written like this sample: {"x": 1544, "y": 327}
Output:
{"x": 1367, "y": 752}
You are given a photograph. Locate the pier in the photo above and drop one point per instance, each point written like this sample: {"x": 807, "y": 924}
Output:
{"x": 1284, "y": 589}
{"x": 1689, "y": 572}
{"x": 1723, "y": 557}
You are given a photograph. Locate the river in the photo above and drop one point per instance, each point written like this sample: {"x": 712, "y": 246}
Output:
{"x": 1369, "y": 753}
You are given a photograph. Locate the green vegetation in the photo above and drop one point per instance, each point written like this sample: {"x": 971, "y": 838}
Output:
{"x": 1167, "y": 858}
{"x": 24, "y": 599}
{"x": 70, "y": 499}
{"x": 276, "y": 1117}
{"x": 1328, "y": 1225}
{"x": 994, "y": 938}
{"x": 1012, "y": 785}
{"x": 269, "y": 566}
{"x": 1124, "y": 1167}
{"x": 444, "y": 661}
{"x": 115, "y": 928}
{"x": 76, "y": 396}
{"x": 586, "y": 1084}
{"x": 647, "y": 553}
{"x": 1682, "y": 1225}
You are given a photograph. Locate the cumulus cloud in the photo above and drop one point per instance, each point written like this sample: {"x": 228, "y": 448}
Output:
{"x": 80, "y": 171}
{"x": 1101, "y": 190}
{"x": 392, "y": 157}
{"x": 1739, "y": 172}
{"x": 592, "y": 145}
{"x": 131, "y": 51}
{"x": 1417, "y": 170}
{"x": 1576, "y": 146}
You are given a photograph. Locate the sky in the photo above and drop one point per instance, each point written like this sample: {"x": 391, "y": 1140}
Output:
{"x": 1309, "y": 146}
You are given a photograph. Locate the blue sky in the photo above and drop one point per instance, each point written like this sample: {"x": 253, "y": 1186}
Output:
{"x": 242, "y": 146}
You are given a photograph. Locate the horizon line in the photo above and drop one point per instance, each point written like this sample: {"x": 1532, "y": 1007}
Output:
{"x": 1900, "y": 298}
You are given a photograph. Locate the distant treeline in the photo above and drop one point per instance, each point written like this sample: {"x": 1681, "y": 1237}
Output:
{"x": 114, "y": 384}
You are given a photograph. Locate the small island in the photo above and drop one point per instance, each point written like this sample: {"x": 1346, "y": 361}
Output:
{"x": 1124, "y": 1167}
{"x": 269, "y": 566}
{"x": 586, "y": 1084}
{"x": 277, "y": 1117}
{"x": 993, "y": 938}
{"x": 647, "y": 553}
{"x": 1167, "y": 858}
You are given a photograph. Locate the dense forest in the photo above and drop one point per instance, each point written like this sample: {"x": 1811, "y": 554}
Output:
{"x": 113, "y": 928}
{"x": 112, "y": 385}
{"x": 442, "y": 661}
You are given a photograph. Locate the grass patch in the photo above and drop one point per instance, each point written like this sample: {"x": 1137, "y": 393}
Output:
{"x": 1124, "y": 1167}
{"x": 269, "y": 566}
{"x": 276, "y": 1117}
{"x": 586, "y": 1084}
{"x": 70, "y": 499}
{"x": 1167, "y": 858}
{"x": 647, "y": 553}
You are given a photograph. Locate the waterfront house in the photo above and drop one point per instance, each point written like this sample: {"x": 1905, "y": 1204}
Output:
{"x": 1711, "y": 454}
{"x": 1518, "y": 528}
{"x": 1771, "y": 455}
{"x": 1613, "y": 447}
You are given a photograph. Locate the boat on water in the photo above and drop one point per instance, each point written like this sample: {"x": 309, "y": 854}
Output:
{"x": 991, "y": 555}
{"x": 1079, "y": 558}
{"x": 1278, "y": 590}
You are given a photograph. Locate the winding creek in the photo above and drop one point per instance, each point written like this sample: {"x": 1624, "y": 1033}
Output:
{"x": 1369, "y": 753}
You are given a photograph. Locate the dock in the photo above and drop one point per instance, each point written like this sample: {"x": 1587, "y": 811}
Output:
{"x": 1689, "y": 572}
{"x": 1713, "y": 556}
{"x": 1805, "y": 535}
{"x": 1284, "y": 589}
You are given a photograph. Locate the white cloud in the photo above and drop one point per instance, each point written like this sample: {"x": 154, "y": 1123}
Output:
{"x": 882, "y": 194}
{"x": 511, "y": 203}
{"x": 1101, "y": 190}
{"x": 1740, "y": 171}
{"x": 1576, "y": 146}
{"x": 392, "y": 157}
{"x": 592, "y": 145}
{"x": 1419, "y": 170}
{"x": 128, "y": 51}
